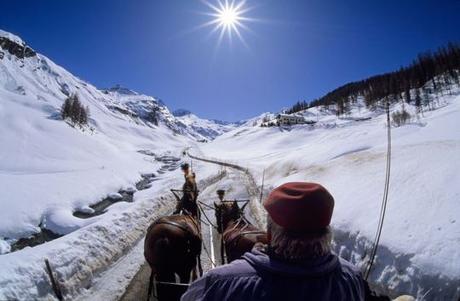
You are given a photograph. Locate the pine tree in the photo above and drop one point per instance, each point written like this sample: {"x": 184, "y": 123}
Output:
{"x": 83, "y": 118}
{"x": 418, "y": 101}
{"x": 440, "y": 70}
{"x": 75, "y": 110}
{"x": 400, "y": 118}
{"x": 66, "y": 107}
{"x": 407, "y": 95}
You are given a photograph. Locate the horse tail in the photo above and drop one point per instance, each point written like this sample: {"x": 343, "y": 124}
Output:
{"x": 156, "y": 250}
{"x": 158, "y": 253}
{"x": 162, "y": 247}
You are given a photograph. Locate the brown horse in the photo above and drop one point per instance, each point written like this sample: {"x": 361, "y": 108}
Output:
{"x": 238, "y": 234}
{"x": 172, "y": 247}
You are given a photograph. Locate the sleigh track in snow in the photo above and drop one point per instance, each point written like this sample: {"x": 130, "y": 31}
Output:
{"x": 137, "y": 289}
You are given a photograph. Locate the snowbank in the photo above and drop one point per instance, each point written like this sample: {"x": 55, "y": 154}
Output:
{"x": 80, "y": 257}
{"x": 421, "y": 238}
{"x": 49, "y": 169}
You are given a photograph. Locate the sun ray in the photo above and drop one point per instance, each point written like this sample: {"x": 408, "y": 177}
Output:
{"x": 221, "y": 36}
{"x": 228, "y": 19}
{"x": 224, "y": 16}
{"x": 242, "y": 40}
{"x": 213, "y": 7}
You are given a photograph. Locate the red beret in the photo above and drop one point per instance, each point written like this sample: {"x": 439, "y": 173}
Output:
{"x": 300, "y": 206}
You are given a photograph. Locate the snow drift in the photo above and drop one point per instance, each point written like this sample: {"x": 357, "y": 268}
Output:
{"x": 418, "y": 251}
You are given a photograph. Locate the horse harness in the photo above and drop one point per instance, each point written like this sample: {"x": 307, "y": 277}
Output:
{"x": 235, "y": 239}
{"x": 187, "y": 230}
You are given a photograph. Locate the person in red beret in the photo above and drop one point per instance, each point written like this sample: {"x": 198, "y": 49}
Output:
{"x": 298, "y": 263}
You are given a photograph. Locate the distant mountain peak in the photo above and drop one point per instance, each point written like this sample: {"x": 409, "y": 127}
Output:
{"x": 11, "y": 37}
{"x": 221, "y": 122}
{"x": 121, "y": 90}
{"x": 181, "y": 112}
{"x": 15, "y": 45}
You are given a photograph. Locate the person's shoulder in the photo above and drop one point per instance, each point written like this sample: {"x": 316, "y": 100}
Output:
{"x": 236, "y": 269}
{"x": 222, "y": 281}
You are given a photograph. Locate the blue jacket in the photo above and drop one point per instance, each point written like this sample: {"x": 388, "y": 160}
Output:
{"x": 259, "y": 277}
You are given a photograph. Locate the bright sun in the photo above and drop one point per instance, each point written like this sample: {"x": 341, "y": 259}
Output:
{"x": 228, "y": 18}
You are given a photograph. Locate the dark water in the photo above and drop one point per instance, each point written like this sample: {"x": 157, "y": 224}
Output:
{"x": 127, "y": 196}
{"x": 170, "y": 163}
{"x": 99, "y": 208}
{"x": 34, "y": 240}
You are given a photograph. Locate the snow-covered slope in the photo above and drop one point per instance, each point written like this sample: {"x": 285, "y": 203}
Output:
{"x": 49, "y": 170}
{"x": 47, "y": 167}
{"x": 209, "y": 129}
{"x": 258, "y": 120}
{"x": 419, "y": 248}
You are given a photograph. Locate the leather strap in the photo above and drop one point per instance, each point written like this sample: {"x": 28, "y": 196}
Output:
{"x": 180, "y": 226}
{"x": 236, "y": 238}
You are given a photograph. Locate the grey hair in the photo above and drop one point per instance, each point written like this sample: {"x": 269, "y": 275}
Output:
{"x": 295, "y": 246}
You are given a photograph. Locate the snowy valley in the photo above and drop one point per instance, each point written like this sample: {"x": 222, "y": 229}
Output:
{"x": 52, "y": 171}
{"x": 54, "y": 175}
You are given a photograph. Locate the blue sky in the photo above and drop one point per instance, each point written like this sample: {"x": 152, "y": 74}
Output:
{"x": 297, "y": 50}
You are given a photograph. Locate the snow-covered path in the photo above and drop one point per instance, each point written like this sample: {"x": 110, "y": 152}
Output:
{"x": 238, "y": 185}
{"x": 127, "y": 278}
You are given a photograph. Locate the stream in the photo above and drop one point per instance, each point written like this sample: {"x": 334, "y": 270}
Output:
{"x": 170, "y": 163}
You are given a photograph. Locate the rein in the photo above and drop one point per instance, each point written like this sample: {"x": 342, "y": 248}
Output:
{"x": 242, "y": 233}
{"x": 238, "y": 223}
{"x": 187, "y": 215}
{"x": 195, "y": 222}
{"x": 384, "y": 198}
{"x": 235, "y": 239}
{"x": 206, "y": 205}
{"x": 199, "y": 204}
{"x": 171, "y": 223}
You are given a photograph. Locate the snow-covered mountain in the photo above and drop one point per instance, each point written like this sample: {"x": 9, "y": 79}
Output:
{"x": 25, "y": 72}
{"x": 40, "y": 147}
{"x": 151, "y": 111}
{"x": 205, "y": 127}
{"x": 43, "y": 157}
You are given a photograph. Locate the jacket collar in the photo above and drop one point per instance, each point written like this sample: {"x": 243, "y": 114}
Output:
{"x": 260, "y": 260}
